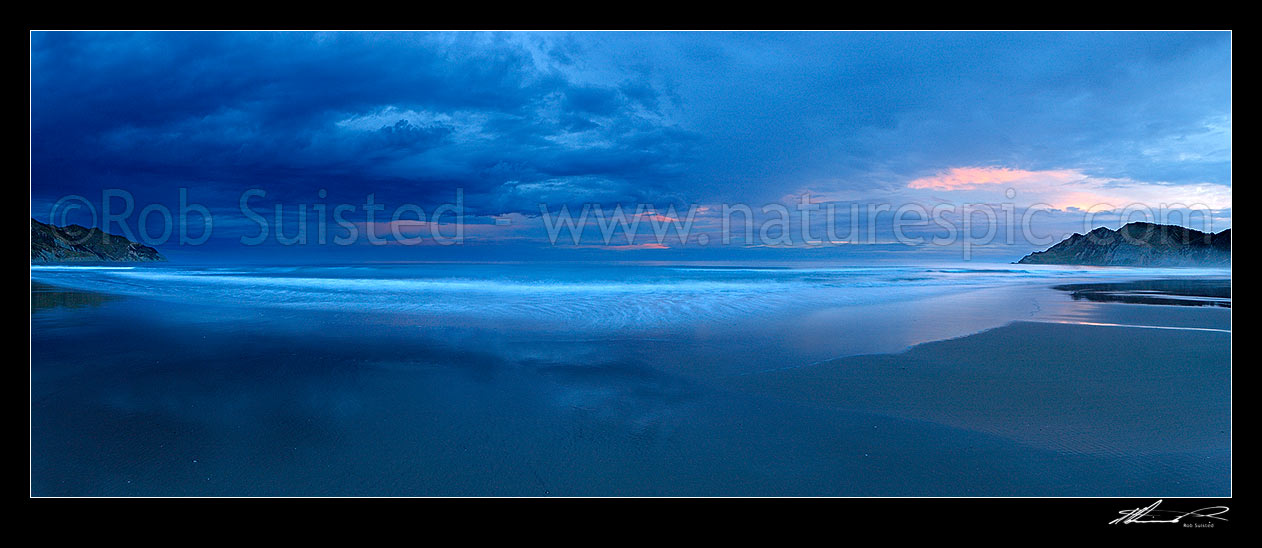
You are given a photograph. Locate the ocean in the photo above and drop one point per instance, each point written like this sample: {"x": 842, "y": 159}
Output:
{"x": 596, "y": 379}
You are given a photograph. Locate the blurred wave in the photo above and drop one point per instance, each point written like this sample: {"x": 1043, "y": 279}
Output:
{"x": 606, "y": 296}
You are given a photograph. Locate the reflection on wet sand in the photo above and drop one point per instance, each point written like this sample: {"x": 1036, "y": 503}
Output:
{"x": 1181, "y": 292}
{"x": 138, "y": 397}
{"x": 48, "y": 297}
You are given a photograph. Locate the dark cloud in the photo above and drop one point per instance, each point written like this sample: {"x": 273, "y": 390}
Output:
{"x": 519, "y": 119}
{"x": 394, "y": 113}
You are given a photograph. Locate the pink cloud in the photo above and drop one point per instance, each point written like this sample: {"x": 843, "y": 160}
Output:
{"x": 1069, "y": 188}
{"x": 655, "y": 216}
{"x": 969, "y": 178}
{"x": 625, "y": 247}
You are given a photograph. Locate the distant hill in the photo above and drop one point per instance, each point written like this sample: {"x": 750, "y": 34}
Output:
{"x": 52, "y": 244}
{"x": 1139, "y": 244}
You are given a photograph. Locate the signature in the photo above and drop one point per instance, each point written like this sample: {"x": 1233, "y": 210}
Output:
{"x": 1150, "y": 514}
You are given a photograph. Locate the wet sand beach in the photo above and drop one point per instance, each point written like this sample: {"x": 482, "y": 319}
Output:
{"x": 1116, "y": 379}
{"x": 137, "y": 395}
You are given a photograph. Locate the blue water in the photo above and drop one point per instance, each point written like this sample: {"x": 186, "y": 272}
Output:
{"x": 507, "y": 379}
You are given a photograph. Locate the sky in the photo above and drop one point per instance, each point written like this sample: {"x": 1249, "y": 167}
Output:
{"x": 1019, "y": 139}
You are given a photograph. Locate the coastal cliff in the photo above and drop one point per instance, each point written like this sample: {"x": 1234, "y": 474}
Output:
{"x": 1139, "y": 244}
{"x": 74, "y": 243}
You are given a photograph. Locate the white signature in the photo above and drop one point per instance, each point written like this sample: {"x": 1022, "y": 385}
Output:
{"x": 1150, "y": 514}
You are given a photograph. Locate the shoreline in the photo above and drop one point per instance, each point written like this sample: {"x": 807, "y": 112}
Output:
{"x": 1070, "y": 385}
{"x": 1027, "y": 408}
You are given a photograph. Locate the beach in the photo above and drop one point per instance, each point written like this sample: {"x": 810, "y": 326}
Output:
{"x": 1056, "y": 386}
{"x": 922, "y": 381}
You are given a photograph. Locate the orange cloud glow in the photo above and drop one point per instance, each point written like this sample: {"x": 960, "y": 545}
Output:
{"x": 969, "y": 178}
{"x": 1069, "y": 188}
